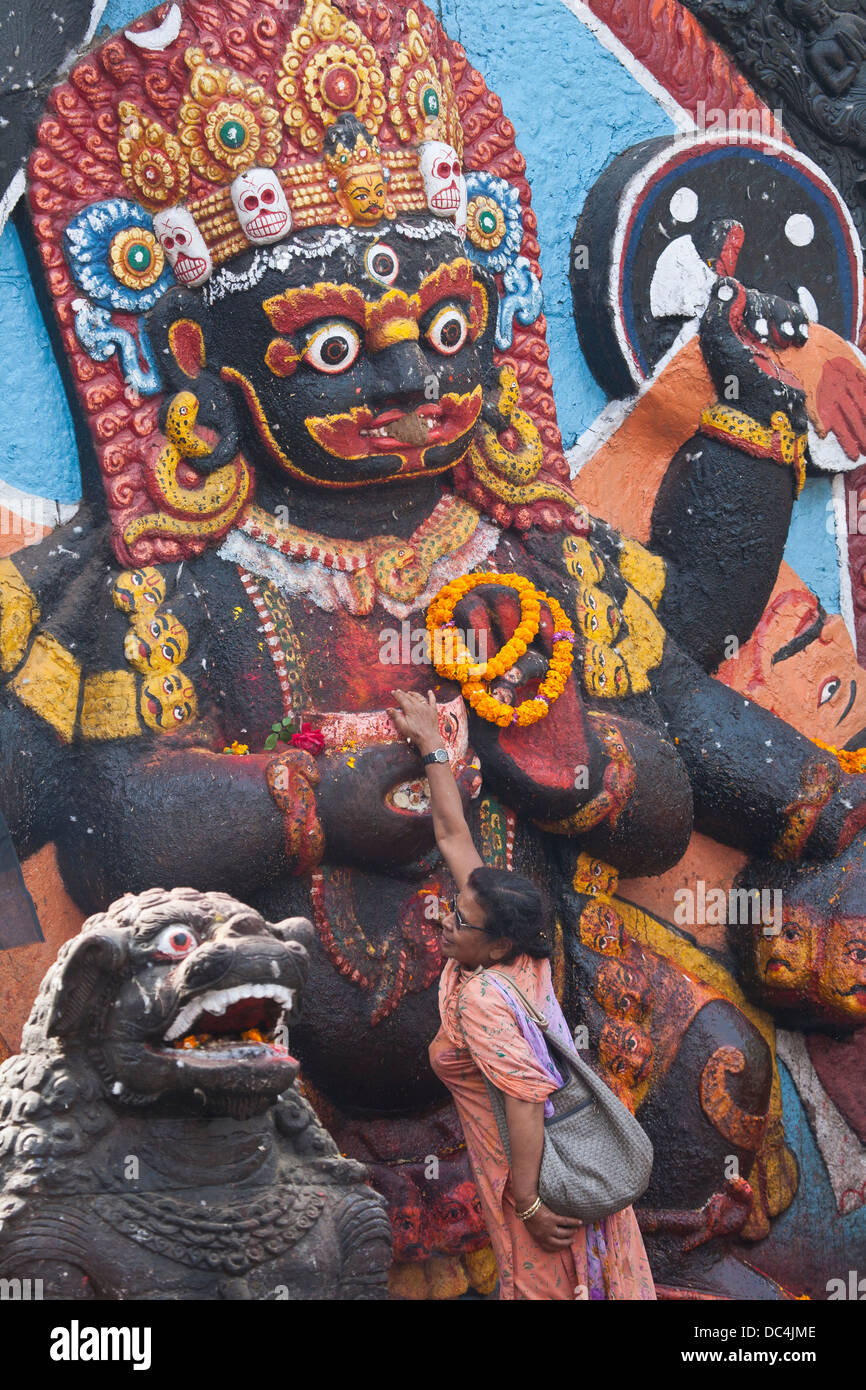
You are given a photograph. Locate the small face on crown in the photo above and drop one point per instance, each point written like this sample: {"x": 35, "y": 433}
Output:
{"x": 358, "y": 176}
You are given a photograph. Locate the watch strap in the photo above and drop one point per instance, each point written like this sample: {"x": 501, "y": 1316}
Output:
{"x": 435, "y": 756}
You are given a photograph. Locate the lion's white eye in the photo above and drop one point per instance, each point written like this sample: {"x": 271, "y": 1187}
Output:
{"x": 448, "y": 331}
{"x": 176, "y": 942}
{"x": 333, "y": 348}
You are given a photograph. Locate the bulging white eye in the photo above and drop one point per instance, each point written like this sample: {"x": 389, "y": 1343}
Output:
{"x": 381, "y": 263}
{"x": 333, "y": 348}
{"x": 176, "y": 942}
{"x": 448, "y": 331}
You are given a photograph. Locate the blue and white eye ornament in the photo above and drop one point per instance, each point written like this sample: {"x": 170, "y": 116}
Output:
{"x": 119, "y": 264}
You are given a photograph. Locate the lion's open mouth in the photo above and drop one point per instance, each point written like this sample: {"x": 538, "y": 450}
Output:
{"x": 232, "y": 1022}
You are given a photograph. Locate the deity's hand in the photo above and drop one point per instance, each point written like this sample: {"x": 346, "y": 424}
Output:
{"x": 741, "y": 335}
{"x": 365, "y": 804}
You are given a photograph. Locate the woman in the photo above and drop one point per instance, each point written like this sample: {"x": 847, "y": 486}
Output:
{"x": 497, "y": 925}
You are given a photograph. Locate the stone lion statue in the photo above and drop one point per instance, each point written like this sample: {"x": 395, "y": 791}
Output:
{"x": 153, "y": 1141}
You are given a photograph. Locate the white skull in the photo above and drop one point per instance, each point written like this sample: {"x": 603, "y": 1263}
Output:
{"x": 443, "y": 178}
{"x": 261, "y": 206}
{"x": 184, "y": 245}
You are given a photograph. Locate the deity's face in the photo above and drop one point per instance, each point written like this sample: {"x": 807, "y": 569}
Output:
{"x": 156, "y": 643}
{"x": 785, "y": 961}
{"x": 359, "y": 365}
{"x": 601, "y": 928}
{"x": 622, "y": 990}
{"x": 842, "y": 977}
{"x": 597, "y": 615}
{"x": 184, "y": 245}
{"x": 365, "y": 192}
{"x": 261, "y": 206}
{"x": 625, "y": 1051}
{"x": 604, "y": 670}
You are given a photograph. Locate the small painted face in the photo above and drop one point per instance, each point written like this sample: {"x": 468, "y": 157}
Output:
{"x": 365, "y": 192}
{"x": 184, "y": 245}
{"x": 842, "y": 977}
{"x": 442, "y": 173}
{"x": 581, "y": 560}
{"x": 167, "y": 701}
{"x": 604, "y": 671}
{"x": 622, "y": 990}
{"x": 601, "y": 928}
{"x": 364, "y": 366}
{"x": 139, "y": 591}
{"x": 625, "y": 1051}
{"x": 261, "y": 206}
{"x": 597, "y": 616}
{"x": 156, "y": 643}
{"x": 786, "y": 961}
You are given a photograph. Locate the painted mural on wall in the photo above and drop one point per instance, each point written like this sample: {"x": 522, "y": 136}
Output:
{"x": 293, "y": 262}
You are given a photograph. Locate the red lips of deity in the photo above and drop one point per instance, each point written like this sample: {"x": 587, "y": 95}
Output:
{"x": 363, "y": 432}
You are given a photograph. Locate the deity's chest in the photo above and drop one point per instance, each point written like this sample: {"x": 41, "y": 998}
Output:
{"x": 270, "y": 655}
{"x": 278, "y": 1242}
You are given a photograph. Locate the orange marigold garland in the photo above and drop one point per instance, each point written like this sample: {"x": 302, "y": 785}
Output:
{"x": 475, "y": 677}
{"x": 851, "y": 760}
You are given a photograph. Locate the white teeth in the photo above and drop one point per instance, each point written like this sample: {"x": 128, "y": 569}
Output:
{"x": 218, "y": 1000}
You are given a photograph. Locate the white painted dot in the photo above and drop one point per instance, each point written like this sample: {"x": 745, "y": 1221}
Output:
{"x": 807, "y": 304}
{"x": 799, "y": 229}
{"x": 725, "y": 292}
{"x": 788, "y": 328}
{"x": 761, "y": 328}
{"x": 684, "y": 205}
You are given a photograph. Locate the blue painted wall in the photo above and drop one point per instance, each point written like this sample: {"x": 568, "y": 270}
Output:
{"x": 39, "y": 453}
{"x": 575, "y": 107}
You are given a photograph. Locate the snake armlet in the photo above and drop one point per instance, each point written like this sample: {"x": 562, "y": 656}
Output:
{"x": 778, "y": 442}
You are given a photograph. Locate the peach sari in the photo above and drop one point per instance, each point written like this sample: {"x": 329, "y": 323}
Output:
{"x": 480, "y": 1036}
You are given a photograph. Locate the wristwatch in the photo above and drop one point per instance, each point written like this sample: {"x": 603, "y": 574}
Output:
{"x": 439, "y": 755}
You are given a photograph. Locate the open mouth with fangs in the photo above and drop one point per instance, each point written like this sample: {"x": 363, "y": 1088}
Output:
{"x": 237, "y": 1023}
{"x": 363, "y": 432}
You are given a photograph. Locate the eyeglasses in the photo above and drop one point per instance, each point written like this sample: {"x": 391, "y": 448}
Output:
{"x": 461, "y": 921}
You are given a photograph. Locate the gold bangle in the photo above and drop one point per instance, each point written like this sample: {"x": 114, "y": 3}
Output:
{"x": 530, "y": 1211}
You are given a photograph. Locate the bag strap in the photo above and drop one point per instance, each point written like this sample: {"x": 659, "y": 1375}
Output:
{"x": 537, "y": 1018}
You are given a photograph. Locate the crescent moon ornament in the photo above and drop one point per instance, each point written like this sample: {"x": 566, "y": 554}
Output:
{"x": 162, "y": 37}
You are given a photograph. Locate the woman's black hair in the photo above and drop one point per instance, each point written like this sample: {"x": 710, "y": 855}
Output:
{"x": 513, "y": 907}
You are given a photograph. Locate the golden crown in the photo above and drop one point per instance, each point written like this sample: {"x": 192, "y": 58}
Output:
{"x": 228, "y": 124}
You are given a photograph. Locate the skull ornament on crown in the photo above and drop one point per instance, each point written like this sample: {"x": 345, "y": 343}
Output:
{"x": 444, "y": 183}
{"x": 261, "y": 206}
{"x": 184, "y": 246}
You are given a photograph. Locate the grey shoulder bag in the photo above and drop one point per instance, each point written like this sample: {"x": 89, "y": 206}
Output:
{"x": 596, "y": 1158}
